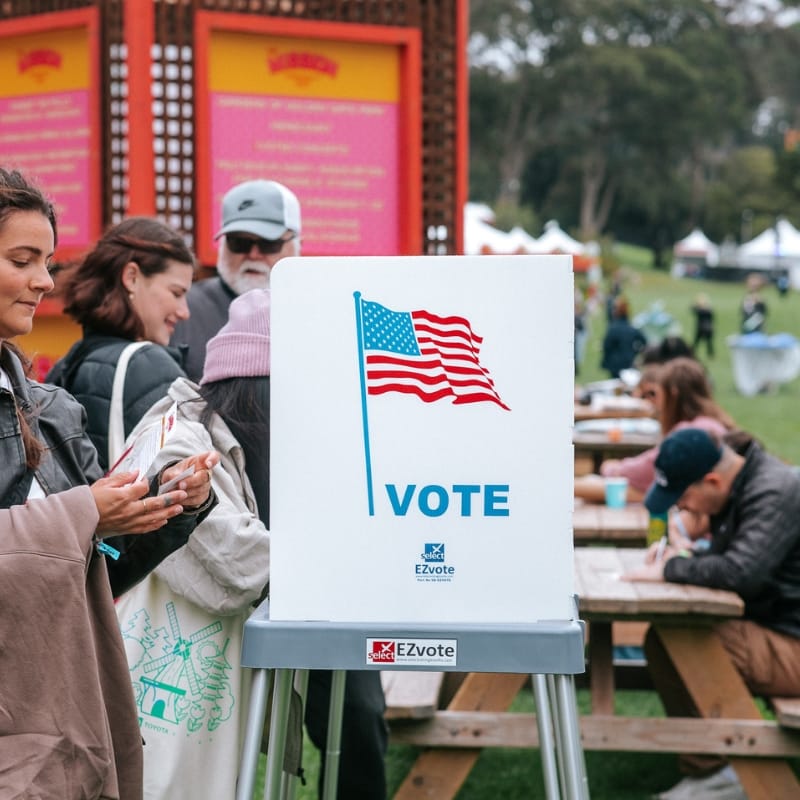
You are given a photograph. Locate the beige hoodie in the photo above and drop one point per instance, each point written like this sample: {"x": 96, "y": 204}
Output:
{"x": 68, "y": 723}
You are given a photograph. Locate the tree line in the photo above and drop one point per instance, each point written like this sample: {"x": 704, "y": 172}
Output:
{"x": 636, "y": 119}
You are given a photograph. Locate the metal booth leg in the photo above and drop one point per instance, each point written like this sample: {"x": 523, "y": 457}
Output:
{"x": 281, "y": 696}
{"x": 571, "y": 748}
{"x": 254, "y": 729}
{"x": 334, "y": 744}
{"x": 289, "y": 782}
{"x": 547, "y": 747}
{"x": 558, "y": 729}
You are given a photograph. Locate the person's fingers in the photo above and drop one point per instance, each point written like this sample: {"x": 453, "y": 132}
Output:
{"x": 135, "y": 491}
{"x": 118, "y": 479}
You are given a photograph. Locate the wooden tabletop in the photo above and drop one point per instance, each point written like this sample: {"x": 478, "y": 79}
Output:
{"x": 599, "y": 445}
{"x": 626, "y": 407}
{"x": 602, "y": 594}
{"x": 680, "y": 614}
{"x": 599, "y": 523}
{"x": 627, "y": 444}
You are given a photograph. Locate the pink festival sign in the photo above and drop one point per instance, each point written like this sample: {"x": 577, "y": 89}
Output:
{"x": 322, "y": 116}
{"x": 339, "y": 157}
{"x": 48, "y": 102}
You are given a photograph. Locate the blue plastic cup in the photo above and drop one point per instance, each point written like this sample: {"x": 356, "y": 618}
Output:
{"x": 616, "y": 492}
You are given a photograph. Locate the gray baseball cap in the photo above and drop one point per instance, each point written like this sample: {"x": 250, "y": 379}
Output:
{"x": 264, "y": 208}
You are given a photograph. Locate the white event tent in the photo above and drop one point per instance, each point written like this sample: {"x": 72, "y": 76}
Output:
{"x": 554, "y": 240}
{"x": 480, "y": 235}
{"x": 482, "y": 238}
{"x": 775, "y": 248}
{"x": 697, "y": 246}
{"x": 523, "y": 240}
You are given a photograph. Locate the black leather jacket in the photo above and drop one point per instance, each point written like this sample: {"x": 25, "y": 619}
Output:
{"x": 755, "y": 547}
{"x": 71, "y": 460}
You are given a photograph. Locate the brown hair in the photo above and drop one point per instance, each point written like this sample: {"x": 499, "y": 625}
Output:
{"x": 687, "y": 394}
{"x": 649, "y": 373}
{"x": 19, "y": 194}
{"x": 34, "y": 449}
{"x": 619, "y": 308}
{"x": 93, "y": 292}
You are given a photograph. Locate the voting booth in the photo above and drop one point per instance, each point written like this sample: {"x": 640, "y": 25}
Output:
{"x": 421, "y": 481}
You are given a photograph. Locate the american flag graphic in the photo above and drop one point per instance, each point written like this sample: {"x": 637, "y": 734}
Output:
{"x": 420, "y": 353}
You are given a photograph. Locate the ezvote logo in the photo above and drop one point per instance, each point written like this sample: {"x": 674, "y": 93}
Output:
{"x": 429, "y": 652}
{"x": 433, "y": 568}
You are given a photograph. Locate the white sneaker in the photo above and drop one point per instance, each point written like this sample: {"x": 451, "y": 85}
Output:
{"x": 720, "y": 785}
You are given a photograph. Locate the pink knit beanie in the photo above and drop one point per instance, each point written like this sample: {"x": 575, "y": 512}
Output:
{"x": 241, "y": 348}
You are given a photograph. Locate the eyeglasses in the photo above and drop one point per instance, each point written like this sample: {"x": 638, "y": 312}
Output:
{"x": 240, "y": 245}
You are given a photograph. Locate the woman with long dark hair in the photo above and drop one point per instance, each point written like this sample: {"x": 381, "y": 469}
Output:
{"x": 130, "y": 288}
{"x": 683, "y": 399}
{"x": 67, "y": 718}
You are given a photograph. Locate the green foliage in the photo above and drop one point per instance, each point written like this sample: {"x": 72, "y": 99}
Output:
{"x": 508, "y": 215}
{"x": 627, "y": 115}
{"x": 746, "y": 191}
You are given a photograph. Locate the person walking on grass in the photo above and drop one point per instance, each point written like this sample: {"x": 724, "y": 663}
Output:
{"x": 703, "y": 325}
{"x": 622, "y": 342}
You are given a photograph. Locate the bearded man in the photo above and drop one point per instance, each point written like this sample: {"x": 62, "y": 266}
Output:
{"x": 260, "y": 226}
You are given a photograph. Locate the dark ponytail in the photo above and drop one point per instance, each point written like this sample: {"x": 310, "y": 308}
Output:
{"x": 34, "y": 449}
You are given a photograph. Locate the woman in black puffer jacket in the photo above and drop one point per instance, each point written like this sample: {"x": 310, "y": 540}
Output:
{"x": 130, "y": 288}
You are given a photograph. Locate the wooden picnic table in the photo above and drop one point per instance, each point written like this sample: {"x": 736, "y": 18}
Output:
{"x": 732, "y": 724}
{"x": 593, "y": 523}
{"x": 626, "y": 407}
{"x": 598, "y": 445}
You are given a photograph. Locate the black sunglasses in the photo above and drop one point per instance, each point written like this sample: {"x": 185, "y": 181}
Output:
{"x": 244, "y": 244}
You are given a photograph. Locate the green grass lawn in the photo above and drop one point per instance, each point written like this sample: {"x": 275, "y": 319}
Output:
{"x": 509, "y": 774}
{"x": 771, "y": 417}
{"x": 516, "y": 774}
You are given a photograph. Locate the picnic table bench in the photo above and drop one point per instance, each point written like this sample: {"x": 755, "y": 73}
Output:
{"x": 411, "y": 695}
{"x": 732, "y": 725}
{"x": 787, "y": 710}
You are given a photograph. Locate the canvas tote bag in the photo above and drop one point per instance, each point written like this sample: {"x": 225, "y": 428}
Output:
{"x": 191, "y": 693}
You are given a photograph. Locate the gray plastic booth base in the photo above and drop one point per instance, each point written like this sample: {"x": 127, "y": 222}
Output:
{"x": 552, "y": 652}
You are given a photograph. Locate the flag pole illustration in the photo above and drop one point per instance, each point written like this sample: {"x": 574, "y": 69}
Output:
{"x": 364, "y": 419}
{"x": 418, "y": 353}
